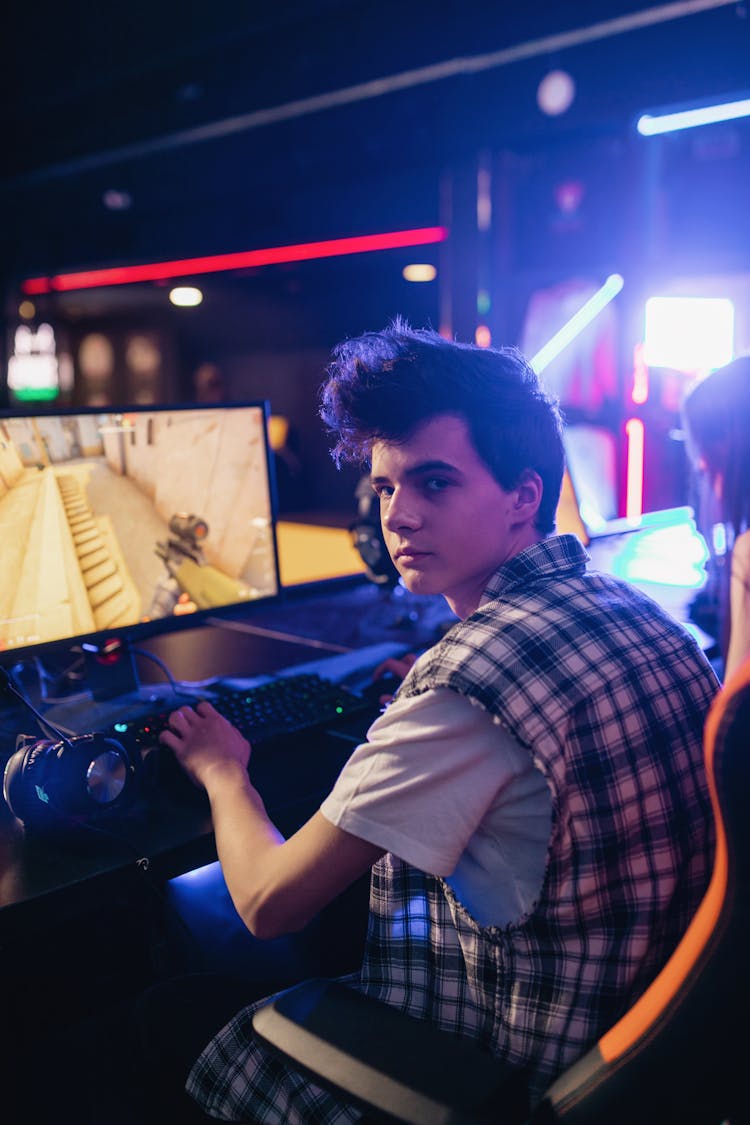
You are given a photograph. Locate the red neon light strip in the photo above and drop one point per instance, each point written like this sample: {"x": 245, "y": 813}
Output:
{"x": 636, "y": 434}
{"x": 245, "y": 259}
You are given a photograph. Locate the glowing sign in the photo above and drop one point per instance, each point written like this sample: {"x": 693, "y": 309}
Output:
{"x": 33, "y": 372}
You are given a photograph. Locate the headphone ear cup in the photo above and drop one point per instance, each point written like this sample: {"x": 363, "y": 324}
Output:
{"x": 368, "y": 544}
{"x": 367, "y": 537}
{"x": 48, "y": 784}
{"x": 112, "y": 777}
{"x": 23, "y": 782}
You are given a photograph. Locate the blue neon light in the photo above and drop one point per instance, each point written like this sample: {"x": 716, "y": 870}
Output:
{"x": 577, "y": 322}
{"x": 649, "y": 125}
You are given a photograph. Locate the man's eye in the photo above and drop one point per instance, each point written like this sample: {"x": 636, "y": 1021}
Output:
{"x": 383, "y": 491}
{"x": 436, "y": 484}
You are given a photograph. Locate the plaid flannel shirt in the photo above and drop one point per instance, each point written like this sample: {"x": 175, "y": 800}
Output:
{"x": 609, "y": 694}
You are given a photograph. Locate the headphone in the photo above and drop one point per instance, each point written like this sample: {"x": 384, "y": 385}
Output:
{"x": 52, "y": 783}
{"x": 367, "y": 537}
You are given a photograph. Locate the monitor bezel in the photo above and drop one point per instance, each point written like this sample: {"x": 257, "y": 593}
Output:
{"x": 158, "y": 626}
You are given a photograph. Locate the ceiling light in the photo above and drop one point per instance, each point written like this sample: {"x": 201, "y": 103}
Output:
{"x": 419, "y": 271}
{"x": 115, "y": 200}
{"x": 185, "y": 296}
{"x": 555, "y": 93}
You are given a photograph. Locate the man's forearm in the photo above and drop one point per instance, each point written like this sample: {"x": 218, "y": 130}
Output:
{"x": 277, "y": 885}
{"x": 246, "y": 839}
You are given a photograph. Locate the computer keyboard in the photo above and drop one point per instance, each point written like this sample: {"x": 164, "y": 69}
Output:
{"x": 280, "y": 706}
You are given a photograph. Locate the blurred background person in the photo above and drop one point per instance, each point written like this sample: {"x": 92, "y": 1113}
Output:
{"x": 208, "y": 384}
{"x": 716, "y": 414}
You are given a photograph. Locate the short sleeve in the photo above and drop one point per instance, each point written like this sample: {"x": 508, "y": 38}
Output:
{"x": 422, "y": 783}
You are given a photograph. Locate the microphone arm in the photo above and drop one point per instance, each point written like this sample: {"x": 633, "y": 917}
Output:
{"x": 8, "y": 686}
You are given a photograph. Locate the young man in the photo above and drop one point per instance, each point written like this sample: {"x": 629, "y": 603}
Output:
{"x": 533, "y": 801}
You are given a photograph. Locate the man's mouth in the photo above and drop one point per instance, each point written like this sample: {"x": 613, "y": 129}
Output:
{"x": 409, "y": 555}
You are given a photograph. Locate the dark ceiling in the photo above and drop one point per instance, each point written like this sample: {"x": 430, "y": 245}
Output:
{"x": 223, "y": 126}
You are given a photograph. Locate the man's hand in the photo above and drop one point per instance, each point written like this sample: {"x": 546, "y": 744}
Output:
{"x": 203, "y": 741}
{"x": 392, "y": 669}
{"x": 277, "y": 886}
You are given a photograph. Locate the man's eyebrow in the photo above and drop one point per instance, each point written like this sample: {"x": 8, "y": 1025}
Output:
{"x": 421, "y": 469}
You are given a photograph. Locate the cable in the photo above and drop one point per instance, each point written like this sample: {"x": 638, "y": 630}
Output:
{"x": 74, "y": 673}
{"x": 178, "y": 687}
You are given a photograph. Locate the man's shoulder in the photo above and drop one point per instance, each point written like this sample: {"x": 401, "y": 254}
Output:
{"x": 590, "y": 620}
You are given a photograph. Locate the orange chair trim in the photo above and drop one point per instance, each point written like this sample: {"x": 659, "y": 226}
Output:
{"x": 648, "y": 1008}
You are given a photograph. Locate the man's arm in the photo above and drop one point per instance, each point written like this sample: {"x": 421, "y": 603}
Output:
{"x": 276, "y": 885}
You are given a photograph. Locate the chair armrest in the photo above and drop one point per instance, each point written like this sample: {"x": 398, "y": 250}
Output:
{"x": 376, "y": 1057}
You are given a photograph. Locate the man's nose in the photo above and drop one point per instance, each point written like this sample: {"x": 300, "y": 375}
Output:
{"x": 401, "y": 513}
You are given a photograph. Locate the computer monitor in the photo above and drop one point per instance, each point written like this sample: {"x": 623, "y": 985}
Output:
{"x": 119, "y": 524}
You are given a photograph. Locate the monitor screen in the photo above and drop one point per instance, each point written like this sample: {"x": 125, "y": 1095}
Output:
{"x": 132, "y": 521}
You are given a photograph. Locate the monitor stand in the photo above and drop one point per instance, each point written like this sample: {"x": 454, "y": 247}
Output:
{"x": 109, "y": 668}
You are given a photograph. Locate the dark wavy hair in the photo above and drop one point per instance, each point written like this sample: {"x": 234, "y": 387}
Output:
{"x": 383, "y": 385}
{"x": 716, "y": 418}
{"x": 716, "y": 415}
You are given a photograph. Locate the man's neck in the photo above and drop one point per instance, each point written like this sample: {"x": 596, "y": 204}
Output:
{"x": 465, "y": 602}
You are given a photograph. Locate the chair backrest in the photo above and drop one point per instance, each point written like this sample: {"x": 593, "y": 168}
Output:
{"x": 678, "y": 1054}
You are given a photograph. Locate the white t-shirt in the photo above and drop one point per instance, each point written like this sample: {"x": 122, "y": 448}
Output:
{"x": 444, "y": 787}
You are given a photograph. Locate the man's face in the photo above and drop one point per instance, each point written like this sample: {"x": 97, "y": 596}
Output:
{"x": 447, "y": 523}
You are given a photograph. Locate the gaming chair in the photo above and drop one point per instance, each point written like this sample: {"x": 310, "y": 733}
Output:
{"x": 677, "y": 1056}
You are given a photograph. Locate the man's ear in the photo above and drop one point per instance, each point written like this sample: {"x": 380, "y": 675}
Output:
{"x": 528, "y": 496}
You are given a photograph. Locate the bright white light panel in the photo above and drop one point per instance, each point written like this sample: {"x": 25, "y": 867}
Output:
{"x": 689, "y": 334}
